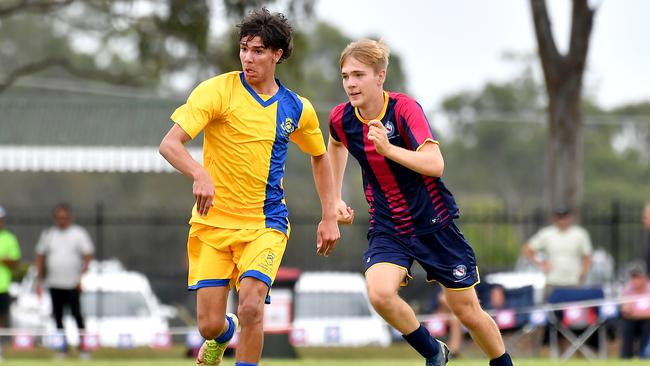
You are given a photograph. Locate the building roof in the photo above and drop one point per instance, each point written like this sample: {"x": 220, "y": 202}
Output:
{"x": 43, "y": 130}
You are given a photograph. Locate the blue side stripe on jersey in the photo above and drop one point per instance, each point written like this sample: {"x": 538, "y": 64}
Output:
{"x": 287, "y": 118}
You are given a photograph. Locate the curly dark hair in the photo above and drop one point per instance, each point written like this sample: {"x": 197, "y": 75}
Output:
{"x": 274, "y": 30}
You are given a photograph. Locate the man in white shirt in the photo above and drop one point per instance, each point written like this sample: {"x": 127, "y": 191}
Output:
{"x": 566, "y": 250}
{"x": 63, "y": 253}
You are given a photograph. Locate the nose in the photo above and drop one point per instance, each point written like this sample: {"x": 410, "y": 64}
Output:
{"x": 246, "y": 56}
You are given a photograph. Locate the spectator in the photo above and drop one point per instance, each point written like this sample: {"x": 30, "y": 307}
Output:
{"x": 63, "y": 253}
{"x": 455, "y": 334}
{"x": 497, "y": 298}
{"x": 566, "y": 250}
{"x": 9, "y": 257}
{"x": 635, "y": 320}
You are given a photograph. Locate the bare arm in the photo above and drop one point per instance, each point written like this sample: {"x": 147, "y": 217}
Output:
{"x": 85, "y": 263}
{"x": 339, "y": 158}
{"x": 586, "y": 264}
{"x": 529, "y": 252}
{"x": 40, "y": 267}
{"x": 426, "y": 161}
{"x": 328, "y": 231}
{"x": 11, "y": 263}
{"x": 172, "y": 148}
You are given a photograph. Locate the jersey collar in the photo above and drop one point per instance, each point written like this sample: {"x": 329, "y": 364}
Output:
{"x": 256, "y": 96}
{"x": 381, "y": 115}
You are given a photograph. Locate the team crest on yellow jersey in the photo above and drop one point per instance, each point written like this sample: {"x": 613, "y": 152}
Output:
{"x": 287, "y": 127}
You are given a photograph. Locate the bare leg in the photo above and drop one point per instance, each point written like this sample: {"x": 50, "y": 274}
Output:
{"x": 484, "y": 331}
{"x": 383, "y": 285}
{"x": 252, "y": 294}
{"x": 211, "y": 311}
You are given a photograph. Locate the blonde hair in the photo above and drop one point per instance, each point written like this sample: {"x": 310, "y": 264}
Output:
{"x": 367, "y": 51}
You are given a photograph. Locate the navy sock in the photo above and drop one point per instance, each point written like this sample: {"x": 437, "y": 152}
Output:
{"x": 422, "y": 342}
{"x": 245, "y": 364}
{"x": 503, "y": 360}
{"x": 227, "y": 335}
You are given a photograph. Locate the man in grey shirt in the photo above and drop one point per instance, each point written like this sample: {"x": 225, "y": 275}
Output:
{"x": 567, "y": 251}
{"x": 63, "y": 253}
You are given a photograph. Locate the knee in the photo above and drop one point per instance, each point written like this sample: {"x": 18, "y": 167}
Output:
{"x": 380, "y": 298}
{"x": 211, "y": 326}
{"x": 250, "y": 311}
{"x": 467, "y": 312}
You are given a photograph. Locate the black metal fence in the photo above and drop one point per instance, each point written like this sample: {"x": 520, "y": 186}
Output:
{"x": 155, "y": 243}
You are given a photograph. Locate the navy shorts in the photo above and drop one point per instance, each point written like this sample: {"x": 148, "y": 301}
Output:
{"x": 445, "y": 255}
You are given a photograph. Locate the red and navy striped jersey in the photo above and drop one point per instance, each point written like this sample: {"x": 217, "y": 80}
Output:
{"x": 400, "y": 200}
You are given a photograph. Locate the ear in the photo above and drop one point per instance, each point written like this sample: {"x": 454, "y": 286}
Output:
{"x": 381, "y": 76}
{"x": 277, "y": 54}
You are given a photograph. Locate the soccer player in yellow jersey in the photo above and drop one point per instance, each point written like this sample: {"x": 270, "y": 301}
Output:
{"x": 239, "y": 226}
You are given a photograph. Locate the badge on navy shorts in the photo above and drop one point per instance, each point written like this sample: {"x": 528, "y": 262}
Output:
{"x": 460, "y": 271}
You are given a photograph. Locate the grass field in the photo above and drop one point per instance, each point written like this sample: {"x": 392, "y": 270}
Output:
{"x": 317, "y": 362}
{"x": 396, "y": 355}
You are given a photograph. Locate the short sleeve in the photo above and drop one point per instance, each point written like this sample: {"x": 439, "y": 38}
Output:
{"x": 538, "y": 241}
{"x": 414, "y": 125}
{"x": 308, "y": 135}
{"x": 13, "y": 248}
{"x": 204, "y": 105}
{"x": 41, "y": 245}
{"x": 86, "y": 245}
{"x": 585, "y": 242}
{"x": 334, "y": 118}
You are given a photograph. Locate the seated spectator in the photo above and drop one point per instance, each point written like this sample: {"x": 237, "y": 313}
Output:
{"x": 635, "y": 315}
{"x": 455, "y": 331}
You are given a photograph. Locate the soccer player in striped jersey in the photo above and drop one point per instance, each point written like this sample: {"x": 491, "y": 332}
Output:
{"x": 411, "y": 211}
{"x": 239, "y": 225}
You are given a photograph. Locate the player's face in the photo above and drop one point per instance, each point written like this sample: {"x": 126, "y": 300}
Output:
{"x": 257, "y": 61}
{"x": 361, "y": 82}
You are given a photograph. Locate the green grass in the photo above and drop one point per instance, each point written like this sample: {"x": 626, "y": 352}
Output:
{"x": 317, "y": 362}
{"x": 396, "y": 355}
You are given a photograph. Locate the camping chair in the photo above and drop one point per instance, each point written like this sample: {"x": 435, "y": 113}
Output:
{"x": 513, "y": 318}
{"x": 577, "y": 323}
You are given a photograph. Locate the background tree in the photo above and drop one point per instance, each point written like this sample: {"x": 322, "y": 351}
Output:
{"x": 563, "y": 75}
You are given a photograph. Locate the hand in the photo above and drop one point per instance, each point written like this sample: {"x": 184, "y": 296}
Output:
{"x": 327, "y": 236}
{"x": 203, "y": 190}
{"x": 378, "y": 135}
{"x": 344, "y": 214}
{"x": 545, "y": 266}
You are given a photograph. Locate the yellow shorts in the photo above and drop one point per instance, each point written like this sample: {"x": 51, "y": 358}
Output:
{"x": 222, "y": 257}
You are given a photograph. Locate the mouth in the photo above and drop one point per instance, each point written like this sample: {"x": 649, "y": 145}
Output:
{"x": 354, "y": 94}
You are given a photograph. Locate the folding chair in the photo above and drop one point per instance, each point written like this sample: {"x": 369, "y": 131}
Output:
{"x": 512, "y": 321}
{"x": 577, "y": 323}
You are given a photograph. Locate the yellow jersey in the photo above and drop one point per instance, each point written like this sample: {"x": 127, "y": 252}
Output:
{"x": 246, "y": 137}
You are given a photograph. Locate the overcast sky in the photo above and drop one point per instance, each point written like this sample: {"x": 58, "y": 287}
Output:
{"x": 448, "y": 46}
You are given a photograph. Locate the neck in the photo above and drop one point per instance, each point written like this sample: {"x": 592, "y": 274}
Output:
{"x": 373, "y": 108}
{"x": 267, "y": 86}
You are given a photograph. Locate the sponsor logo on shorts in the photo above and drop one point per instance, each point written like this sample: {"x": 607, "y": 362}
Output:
{"x": 460, "y": 271}
{"x": 266, "y": 264}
